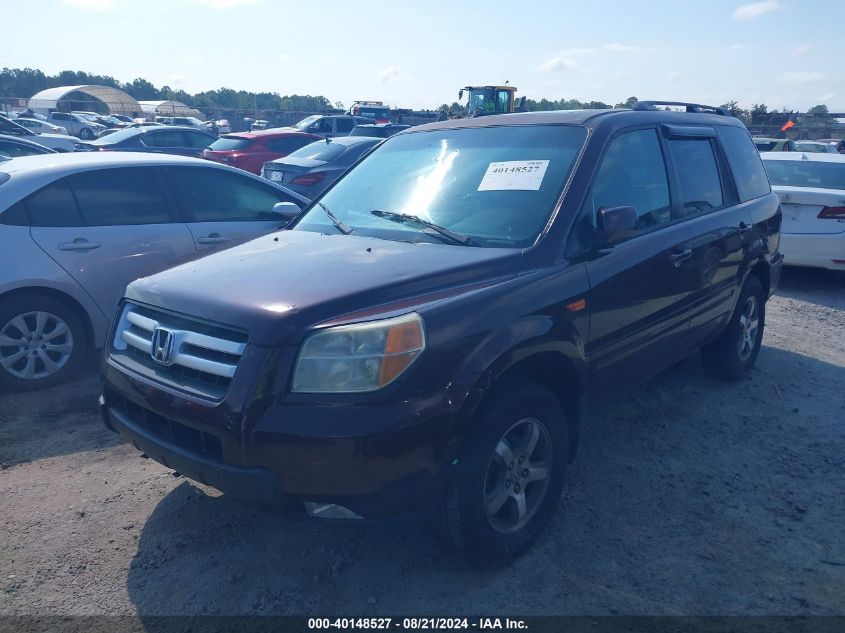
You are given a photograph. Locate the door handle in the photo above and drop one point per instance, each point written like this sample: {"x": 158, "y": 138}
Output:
{"x": 79, "y": 244}
{"x": 679, "y": 256}
{"x": 214, "y": 238}
{"x": 745, "y": 228}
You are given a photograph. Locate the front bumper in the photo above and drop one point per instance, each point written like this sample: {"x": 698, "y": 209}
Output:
{"x": 379, "y": 459}
{"x": 255, "y": 485}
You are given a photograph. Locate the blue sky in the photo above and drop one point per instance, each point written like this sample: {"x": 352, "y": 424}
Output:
{"x": 779, "y": 52}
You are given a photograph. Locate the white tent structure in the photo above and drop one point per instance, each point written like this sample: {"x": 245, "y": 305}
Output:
{"x": 153, "y": 109}
{"x": 117, "y": 101}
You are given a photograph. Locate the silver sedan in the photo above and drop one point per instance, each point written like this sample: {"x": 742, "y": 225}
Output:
{"x": 76, "y": 228}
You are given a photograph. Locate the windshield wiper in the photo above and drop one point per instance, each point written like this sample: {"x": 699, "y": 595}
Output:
{"x": 404, "y": 218}
{"x": 340, "y": 224}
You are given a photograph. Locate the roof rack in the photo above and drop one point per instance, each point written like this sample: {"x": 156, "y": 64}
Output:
{"x": 690, "y": 107}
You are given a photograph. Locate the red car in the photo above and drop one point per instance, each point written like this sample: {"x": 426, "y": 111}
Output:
{"x": 250, "y": 150}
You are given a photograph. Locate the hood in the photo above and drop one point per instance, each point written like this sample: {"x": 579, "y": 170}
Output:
{"x": 279, "y": 285}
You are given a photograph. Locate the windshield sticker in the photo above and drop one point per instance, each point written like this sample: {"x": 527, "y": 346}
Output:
{"x": 514, "y": 175}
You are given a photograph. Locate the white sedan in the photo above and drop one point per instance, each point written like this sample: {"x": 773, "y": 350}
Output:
{"x": 811, "y": 188}
{"x": 40, "y": 127}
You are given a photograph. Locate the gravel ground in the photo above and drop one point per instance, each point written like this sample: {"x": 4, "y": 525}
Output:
{"x": 688, "y": 497}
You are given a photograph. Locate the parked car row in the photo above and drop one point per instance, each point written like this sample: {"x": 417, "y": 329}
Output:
{"x": 58, "y": 142}
{"x": 820, "y": 146}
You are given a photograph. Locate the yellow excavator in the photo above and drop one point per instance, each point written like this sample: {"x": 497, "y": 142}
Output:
{"x": 486, "y": 100}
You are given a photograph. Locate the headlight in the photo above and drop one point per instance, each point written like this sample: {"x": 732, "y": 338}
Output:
{"x": 358, "y": 357}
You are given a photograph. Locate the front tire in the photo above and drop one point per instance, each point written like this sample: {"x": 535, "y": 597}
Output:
{"x": 509, "y": 477}
{"x": 734, "y": 353}
{"x": 43, "y": 341}
{"x": 86, "y": 134}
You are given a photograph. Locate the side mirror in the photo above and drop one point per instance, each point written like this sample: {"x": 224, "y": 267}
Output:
{"x": 617, "y": 224}
{"x": 286, "y": 211}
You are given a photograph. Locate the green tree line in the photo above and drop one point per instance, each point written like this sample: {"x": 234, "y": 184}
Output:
{"x": 25, "y": 82}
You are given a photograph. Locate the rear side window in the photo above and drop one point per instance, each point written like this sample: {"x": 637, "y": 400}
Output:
{"x": 198, "y": 140}
{"x": 288, "y": 144}
{"x": 744, "y": 159}
{"x": 230, "y": 143}
{"x": 15, "y": 215}
{"x": 213, "y": 195}
{"x": 698, "y": 175}
{"x": 54, "y": 205}
{"x": 165, "y": 138}
{"x": 345, "y": 125}
{"x": 633, "y": 174}
{"x": 120, "y": 197}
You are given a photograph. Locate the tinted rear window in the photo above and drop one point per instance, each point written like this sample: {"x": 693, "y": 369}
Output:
{"x": 320, "y": 150}
{"x": 806, "y": 173}
{"x": 744, "y": 159}
{"x": 53, "y": 205}
{"x": 228, "y": 143}
{"x": 122, "y": 196}
{"x": 698, "y": 175}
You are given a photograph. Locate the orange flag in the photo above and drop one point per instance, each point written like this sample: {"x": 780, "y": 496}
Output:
{"x": 788, "y": 125}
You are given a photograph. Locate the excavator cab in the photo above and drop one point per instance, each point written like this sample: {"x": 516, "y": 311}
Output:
{"x": 484, "y": 100}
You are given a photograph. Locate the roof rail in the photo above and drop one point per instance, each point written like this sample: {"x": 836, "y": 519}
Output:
{"x": 690, "y": 107}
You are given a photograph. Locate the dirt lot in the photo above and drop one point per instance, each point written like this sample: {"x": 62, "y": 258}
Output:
{"x": 688, "y": 497}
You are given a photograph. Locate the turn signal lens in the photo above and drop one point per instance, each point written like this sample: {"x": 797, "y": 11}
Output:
{"x": 359, "y": 357}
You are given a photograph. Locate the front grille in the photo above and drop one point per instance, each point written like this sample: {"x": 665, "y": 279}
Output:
{"x": 183, "y": 436}
{"x": 191, "y": 355}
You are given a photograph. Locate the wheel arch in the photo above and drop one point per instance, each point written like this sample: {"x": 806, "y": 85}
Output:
{"x": 548, "y": 363}
{"x": 58, "y": 295}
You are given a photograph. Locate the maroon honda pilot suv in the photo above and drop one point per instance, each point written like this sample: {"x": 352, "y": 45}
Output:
{"x": 426, "y": 337}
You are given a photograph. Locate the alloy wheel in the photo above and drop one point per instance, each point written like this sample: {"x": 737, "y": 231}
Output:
{"x": 749, "y": 323}
{"x": 35, "y": 345}
{"x": 517, "y": 475}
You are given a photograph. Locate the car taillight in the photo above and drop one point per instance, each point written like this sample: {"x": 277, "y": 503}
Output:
{"x": 306, "y": 180}
{"x": 832, "y": 213}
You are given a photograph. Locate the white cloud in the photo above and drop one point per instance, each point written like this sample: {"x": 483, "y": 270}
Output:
{"x": 284, "y": 58}
{"x": 389, "y": 74}
{"x": 802, "y": 77}
{"x": 221, "y": 5}
{"x": 604, "y": 48}
{"x": 326, "y": 60}
{"x": 557, "y": 64}
{"x": 615, "y": 47}
{"x": 89, "y": 5}
{"x": 801, "y": 50}
{"x": 673, "y": 76}
{"x": 755, "y": 9}
{"x": 825, "y": 98}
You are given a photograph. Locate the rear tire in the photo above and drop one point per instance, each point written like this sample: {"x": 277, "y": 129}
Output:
{"x": 43, "y": 341}
{"x": 86, "y": 134}
{"x": 509, "y": 477}
{"x": 734, "y": 353}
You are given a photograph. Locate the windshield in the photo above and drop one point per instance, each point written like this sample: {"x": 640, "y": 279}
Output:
{"x": 806, "y": 173}
{"x": 227, "y": 143}
{"x": 319, "y": 150}
{"x": 304, "y": 123}
{"x": 497, "y": 185}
